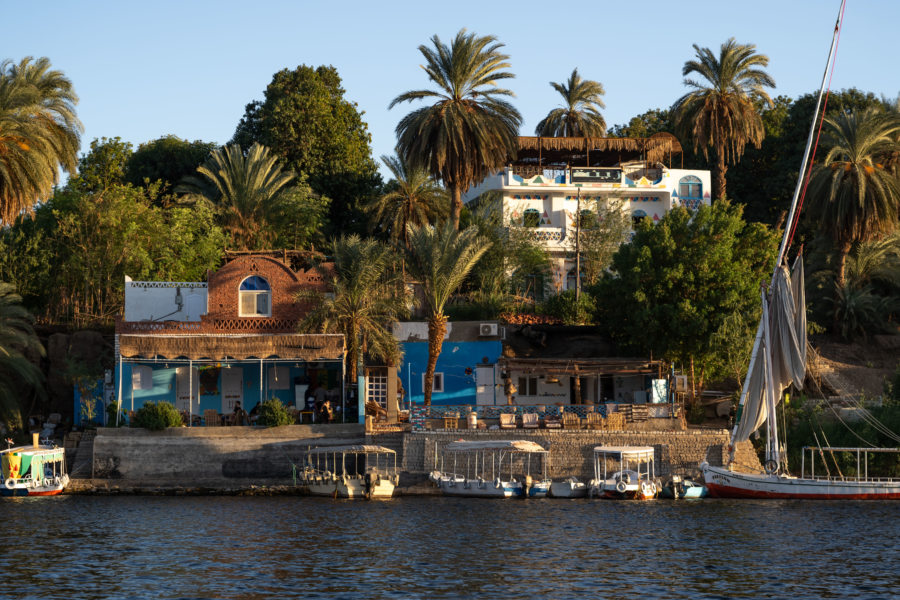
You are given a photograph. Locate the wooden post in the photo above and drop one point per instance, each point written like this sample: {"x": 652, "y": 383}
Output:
{"x": 393, "y": 405}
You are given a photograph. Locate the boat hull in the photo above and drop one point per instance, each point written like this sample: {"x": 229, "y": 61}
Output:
{"x": 352, "y": 488}
{"x": 22, "y": 488}
{"x": 474, "y": 488}
{"x": 568, "y": 489}
{"x": 723, "y": 483}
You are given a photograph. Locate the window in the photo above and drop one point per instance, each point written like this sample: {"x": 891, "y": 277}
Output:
{"x": 636, "y": 217}
{"x": 376, "y": 390}
{"x": 531, "y": 217}
{"x": 255, "y": 298}
{"x": 690, "y": 188}
{"x": 438, "y": 386}
{"x": 528, "y": 386}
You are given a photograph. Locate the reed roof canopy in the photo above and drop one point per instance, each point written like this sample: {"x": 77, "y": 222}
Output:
{"x": 595, "y": 152}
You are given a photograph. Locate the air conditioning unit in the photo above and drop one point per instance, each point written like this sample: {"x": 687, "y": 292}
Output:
{"x": 487, "y": 329}
{"x": 681, "y": 383}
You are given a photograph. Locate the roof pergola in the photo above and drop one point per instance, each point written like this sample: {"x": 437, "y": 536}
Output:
{"x": 582, "y": 366}
{"x": 595, "y": 152}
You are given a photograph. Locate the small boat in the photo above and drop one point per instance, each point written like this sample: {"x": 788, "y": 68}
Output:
{"x": 682, "y": 487}
{"x": 358, "y": 471}
{"x": 492, "y": 469}
{"x": 569, "y": 488}
{"x": 634, "y": 477}
{"x": 36, "y": 470}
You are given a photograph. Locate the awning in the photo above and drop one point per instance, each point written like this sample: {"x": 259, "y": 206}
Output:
{"x": 294, "y": 346}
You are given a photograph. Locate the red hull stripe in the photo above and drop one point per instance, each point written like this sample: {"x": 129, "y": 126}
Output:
{"x": 724, "y": 491}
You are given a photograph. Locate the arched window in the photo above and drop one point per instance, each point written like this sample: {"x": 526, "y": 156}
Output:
{"x": 531, "y": 217}
{"x": 255, "y": 297}
{"x": 690, "y": 188}
{"x": 636, "y": 217}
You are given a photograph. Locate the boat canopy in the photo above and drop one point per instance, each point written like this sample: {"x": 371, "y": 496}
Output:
{"x": 509, "y": 445}
{"x": 641, "y": 453}
{"x": 353, "y": 449}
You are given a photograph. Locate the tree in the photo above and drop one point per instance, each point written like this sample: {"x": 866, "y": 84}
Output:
{"x": 412, "y": 196}
{"x": 440, "y": 258}
{"x": 306, "y": 120}
{"x": 39, "y": 133}
{"x": 580, "y": 115}
{"x": 247, "y": 190}
{"x": 17, "y": 342}
{"x": 655, "y": 120}
{"x": 853, "y": 196}
{"x": 722, "y": 114}
{"x": 168, "y": 159}
{"x": 470, "y": 131}
{"x": 604, "y": 226}
{"x": 365, "y": 295}
{"x": 673, "y": 287}
{"x": 103, "y": 167}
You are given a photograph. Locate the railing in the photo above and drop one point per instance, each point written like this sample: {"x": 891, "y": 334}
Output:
{"x": 420, "y": 414}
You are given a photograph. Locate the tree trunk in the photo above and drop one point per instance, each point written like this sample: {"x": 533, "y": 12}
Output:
{"x": 455, "y": 205}
{"x": 718, "y": 192}
{"x": 841, "y": 281}
{"x": 437, "y": 327}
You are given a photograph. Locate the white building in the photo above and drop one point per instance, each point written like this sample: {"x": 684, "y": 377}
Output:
{"x": 551, "y": 177}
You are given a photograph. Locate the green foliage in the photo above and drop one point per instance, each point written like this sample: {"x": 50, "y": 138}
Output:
{"x": 563, "y": 306}
{"x": 580, "y": 115}
{"x": 655, "y": 120}
{"x": 167, "y": 160}
{"x": 678, "y": 281}
{"x": 20, "y": 378}
{"x": 114, "y": 417}
{"x": 412, "y": 196}
{"x": 157, "y": 416}
{"x": 892, "y": 387}
{"x": 306, "y": 120}
{"x": 103, "y": 167}
{"x": 600, "y": 237}
{"x": 273, "y": 413}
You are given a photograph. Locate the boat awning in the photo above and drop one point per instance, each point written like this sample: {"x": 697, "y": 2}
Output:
{"x": 627, "y": 452}
{"x": 354, "y": 449}
{"x": 296, "y": 346}
{"x": 510, "y": 445}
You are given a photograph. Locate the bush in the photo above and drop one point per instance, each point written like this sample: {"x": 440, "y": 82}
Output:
{"x": 564, "y": 307}
{"x": 157, "y": 416}
{"x": 272, "y": 413}
{"x": 111, "y": 413}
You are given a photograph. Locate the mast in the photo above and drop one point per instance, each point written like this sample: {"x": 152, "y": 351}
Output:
{"x": 772, "y": 451}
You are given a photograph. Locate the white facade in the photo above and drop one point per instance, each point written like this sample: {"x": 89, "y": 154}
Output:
{"x": 164, "y": 300}
{"x": 547, "y": 201}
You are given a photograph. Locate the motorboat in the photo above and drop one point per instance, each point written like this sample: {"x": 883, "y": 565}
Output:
{"x": 493, "y": 469}
{"x": 682, "y": 487}
{"x": 356, "y": 471}
{"x": 571, "y": 487}
{"x": 624, "y": 472}
{"x": 36, "y": 470}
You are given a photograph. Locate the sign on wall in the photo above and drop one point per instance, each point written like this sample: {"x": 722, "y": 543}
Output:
{"x": 596, "y": 175}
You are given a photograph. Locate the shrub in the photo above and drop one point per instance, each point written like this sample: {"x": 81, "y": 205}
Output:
{"x": 157, "y": 416}
{"x": 564, "y": 307}
{"x": 111, "y": 413}
{"x": 273, "y": 413}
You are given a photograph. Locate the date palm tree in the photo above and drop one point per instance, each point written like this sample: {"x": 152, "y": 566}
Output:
{"x": 39, "y": 133}
{"x": 853, "y": 195}
{"x": 248, "y": 192}
{"x": 439, "y": 258}
{"x": 580, "y": 116}
{"x": 471, "y": 131}
{"x": 365, "y": 295}
{"x": 720, "y": 113}
{"x": 17, "y": 341}
{"x": 412, "y": 197}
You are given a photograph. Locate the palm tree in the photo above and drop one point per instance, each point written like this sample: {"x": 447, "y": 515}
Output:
{"x": 365, "y": 296}
{"x": 248, "y": 191}
{"x": 440, "y": 258}
{"x": 470, "y": 132}
{"x": 413, "y": 197}
{"x": 580, "y": 116}
{"x": 853, "y": 195}
{"x": 721, "y": 114}
{"x": 17, "y": 340}
{"x": 39, "y": 133}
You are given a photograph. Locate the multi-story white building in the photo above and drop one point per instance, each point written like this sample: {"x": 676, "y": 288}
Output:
{"x": 551, "y": 177}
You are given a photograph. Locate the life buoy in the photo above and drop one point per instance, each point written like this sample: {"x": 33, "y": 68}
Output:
{"x": 497, "y": 483}
{"x": 621, "y": 487}
{"x": 10, "y": 484}
{"x": 56, "y": 480}
{"x": 645, "y": 488}
{"x": 47, "y": 482}
{"x": 771, "y": 466}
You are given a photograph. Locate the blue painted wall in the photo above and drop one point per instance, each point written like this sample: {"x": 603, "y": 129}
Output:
{"x": 455, "y": 358}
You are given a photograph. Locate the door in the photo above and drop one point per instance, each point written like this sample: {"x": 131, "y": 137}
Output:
{"x": 232, "y": 388}
{"x": 187, "y": 390}
{"x": 484, "y": 385}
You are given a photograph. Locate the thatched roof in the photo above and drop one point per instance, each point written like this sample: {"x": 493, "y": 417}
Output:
{"x": 595, "y": 152}
{"x": 307, "y": 347}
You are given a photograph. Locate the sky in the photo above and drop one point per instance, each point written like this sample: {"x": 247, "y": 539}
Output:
{"x": 143, "y": 70}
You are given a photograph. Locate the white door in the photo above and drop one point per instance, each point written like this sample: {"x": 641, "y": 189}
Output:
{"x": 232, "y": 389}
{"x": 187, "y": 391}
{"x": 485, "y": 394}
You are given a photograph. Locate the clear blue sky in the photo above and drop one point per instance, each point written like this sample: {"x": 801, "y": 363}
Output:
{"x": 147, "y": 69}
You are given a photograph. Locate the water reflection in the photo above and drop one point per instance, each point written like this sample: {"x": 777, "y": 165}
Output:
{"x": 229, "y": 547}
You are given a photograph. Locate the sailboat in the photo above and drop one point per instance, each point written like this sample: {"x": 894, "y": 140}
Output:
{"x": 778, "y": 360}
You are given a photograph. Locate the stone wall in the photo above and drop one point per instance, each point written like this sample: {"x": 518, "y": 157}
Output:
{"x": 571, "y": 452}
{"x": 211, "y": 456}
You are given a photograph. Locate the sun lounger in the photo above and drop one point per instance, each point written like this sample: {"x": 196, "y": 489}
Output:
{"x": 531, "y": 421}
{"x": 507, "y": 421}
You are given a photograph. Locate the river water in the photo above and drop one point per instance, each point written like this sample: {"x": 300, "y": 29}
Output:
{"x": 435, "y": 547}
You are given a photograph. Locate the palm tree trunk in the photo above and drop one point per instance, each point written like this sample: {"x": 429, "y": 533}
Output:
{"x": 455, "y": 205}
{"x": 840, "y": 280}
{"x": 437, "y": 327}
{"x": 719, "y": 175}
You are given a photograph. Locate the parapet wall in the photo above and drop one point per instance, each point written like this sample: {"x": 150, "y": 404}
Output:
{"x": 211, "y": 456}
{"x": 571, "y": 452}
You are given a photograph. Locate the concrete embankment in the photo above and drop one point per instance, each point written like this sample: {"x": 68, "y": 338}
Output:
{"x": 262, "y": 461}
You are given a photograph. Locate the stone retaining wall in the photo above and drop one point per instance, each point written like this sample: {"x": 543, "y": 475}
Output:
{"x": 211, "y": 456}
{"x": 571, "y": 452}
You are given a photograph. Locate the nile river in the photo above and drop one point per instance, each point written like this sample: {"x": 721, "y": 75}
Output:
{"x": 427, "y": 547}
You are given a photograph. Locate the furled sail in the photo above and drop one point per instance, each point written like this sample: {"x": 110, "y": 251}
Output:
{"x": 786, "y": 359}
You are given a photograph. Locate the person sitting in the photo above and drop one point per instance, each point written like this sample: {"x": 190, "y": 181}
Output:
{"x": 239, "y": 416}
{"x": 254, "y": 413}
{"x": 326, "y": 414}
